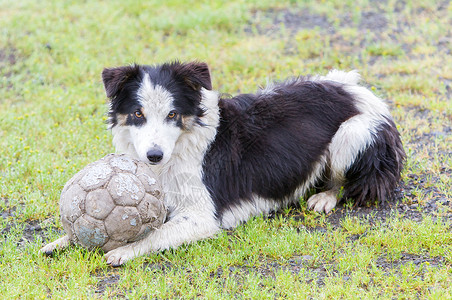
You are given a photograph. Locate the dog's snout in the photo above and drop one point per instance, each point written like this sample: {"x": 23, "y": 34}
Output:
{"x": 155, "y": 155}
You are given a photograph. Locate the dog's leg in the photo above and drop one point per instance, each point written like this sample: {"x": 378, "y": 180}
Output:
{"x": 323, "y": 202}
{"x": 185, "y": 227}
{"x": 60, "y": 243}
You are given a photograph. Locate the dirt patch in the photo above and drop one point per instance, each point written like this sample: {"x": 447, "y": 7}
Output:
{"x": 106, "y": 280}
{"x": 387, "y": 263}
{"x": 30, "y": 230}
{"x": 372, "y": 20}
{"x": 271, "y": 21}
{"x": 8, "y": 56}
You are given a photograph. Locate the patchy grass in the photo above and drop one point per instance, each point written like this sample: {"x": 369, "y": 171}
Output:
{"x": 52, "y": 124}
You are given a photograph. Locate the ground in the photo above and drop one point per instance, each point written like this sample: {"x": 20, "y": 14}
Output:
{"x": 53, "y": 113}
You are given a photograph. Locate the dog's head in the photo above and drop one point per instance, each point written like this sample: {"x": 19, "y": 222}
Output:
{"x": 154, "y": 105}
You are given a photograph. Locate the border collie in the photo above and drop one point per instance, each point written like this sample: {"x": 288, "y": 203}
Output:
{"x": 224, "y": 160}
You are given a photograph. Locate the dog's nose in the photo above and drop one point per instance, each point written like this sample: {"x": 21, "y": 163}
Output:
{"x": 155, "y": 155}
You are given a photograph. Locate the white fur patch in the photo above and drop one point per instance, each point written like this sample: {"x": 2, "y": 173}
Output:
{"x": 235, "y": 215}
{"x": 269, "y": 88}
{"x": 154, "y": 97}
{"x": 351, "y": 77}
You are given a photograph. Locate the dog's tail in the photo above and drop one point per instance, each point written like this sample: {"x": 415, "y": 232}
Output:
{"x": 367, "y": 150}
{"x": 375, "y": 173}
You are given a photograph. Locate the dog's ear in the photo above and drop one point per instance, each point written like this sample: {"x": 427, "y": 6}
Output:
{"x": 115, "y": 78}
{"x": 195, "y": 74}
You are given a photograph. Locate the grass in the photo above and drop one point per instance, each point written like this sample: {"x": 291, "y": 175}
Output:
{"x": 53, "y": 124}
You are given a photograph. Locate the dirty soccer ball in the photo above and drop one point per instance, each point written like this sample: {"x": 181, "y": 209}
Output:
{"x": 111, "y": 202}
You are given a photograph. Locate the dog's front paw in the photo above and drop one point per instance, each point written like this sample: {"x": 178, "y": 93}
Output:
{"x": 323, "y": 202}
{"x": 119, "y": 256}
{"x": 60, "y": 243}
{"x": 48, "y": 249}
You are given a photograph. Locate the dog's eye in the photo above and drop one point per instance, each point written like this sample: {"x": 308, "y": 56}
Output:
{"x": 172, "y": 114}
{"x": 138, "y": 114}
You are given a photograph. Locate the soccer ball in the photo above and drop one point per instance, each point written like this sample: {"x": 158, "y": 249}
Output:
{"x": 111, "y": 202}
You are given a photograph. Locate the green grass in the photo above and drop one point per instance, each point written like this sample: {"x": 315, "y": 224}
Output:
{"x": 53, "y": 123}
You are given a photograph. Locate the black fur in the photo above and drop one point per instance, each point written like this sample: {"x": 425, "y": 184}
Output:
{"x": 133, "y": 120}
{"x": 121, "y": 85}
{"x": 259, "y": 134}
{"x": 183, "y": 80}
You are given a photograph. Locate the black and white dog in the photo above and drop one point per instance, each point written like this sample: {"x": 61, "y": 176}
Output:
{"x": 222, "y": 161}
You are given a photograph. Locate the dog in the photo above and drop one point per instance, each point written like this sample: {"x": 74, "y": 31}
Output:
{"x": 222, "y": 160}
